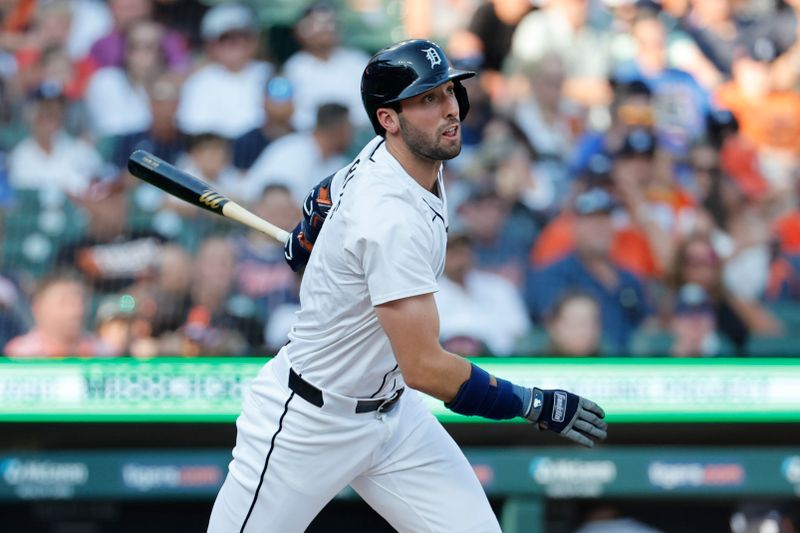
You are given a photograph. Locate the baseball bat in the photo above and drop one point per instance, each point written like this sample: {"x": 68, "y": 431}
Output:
{"x": 180, "y": 184}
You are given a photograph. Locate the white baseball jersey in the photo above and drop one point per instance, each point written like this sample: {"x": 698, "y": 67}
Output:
{"x": 384, "y": 239}
{"x": 298, "y": 445}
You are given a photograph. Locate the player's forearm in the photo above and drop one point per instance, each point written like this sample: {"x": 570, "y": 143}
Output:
{"x": 438, "y": 374}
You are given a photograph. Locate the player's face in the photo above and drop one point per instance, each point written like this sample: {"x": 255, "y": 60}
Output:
{"x": 429, "y": 124}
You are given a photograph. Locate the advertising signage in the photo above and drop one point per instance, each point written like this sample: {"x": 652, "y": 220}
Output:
{"x": 210, "y": 390}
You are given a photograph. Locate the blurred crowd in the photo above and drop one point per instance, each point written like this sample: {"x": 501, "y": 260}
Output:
{"x": 628, "y": 183}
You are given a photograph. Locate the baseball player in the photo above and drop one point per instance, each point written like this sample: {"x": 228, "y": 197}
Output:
{"x": 339, "y": 405}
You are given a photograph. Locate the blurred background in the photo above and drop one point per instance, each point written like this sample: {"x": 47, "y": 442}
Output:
{"x": 624, "y": 218}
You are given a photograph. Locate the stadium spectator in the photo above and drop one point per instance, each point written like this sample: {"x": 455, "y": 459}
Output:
{"x": 117, "y": 97}
{"x": 12, "y": 304}
{"x": 59, "y": 308}
{"x": 209, "y": 158}
{"x": 716, "y": 30}
{"x": 44, "y": 53}
{"x": 493, "y": 24}
{"x": 605, "y": 517}
{"x": 762, "y": 516}
{"x": 768, "y": 118}
{"x": 261, "y": 270}
{"x": 436, "y": 20}
{"x": 300, "y": 160}
{"x": 574, "y": 327}
{"x": 111, "y": 255}
{"x": 499, "y": 240}
{"x": 49, "y": 157}
{"x": 693, "y": 324}
{"x": 544, "y": 118}
{"x": 114, "y": 322}
{"x": 592, "y": 269}
{"x": 562, "y": 27}
{"x": 220, "y": 321}
{"x": 109, "y": 50}
{"x": 697, "y": 262}
{"x": 225, "y": 96}
{"x": 279, "y": 109}
{"x": 162, "y": 138}
{"x": 323, "y": 71}
{"x": 630, "y": 109}
{"x": 680, "y": 104}
{"x": 479, "y": 311}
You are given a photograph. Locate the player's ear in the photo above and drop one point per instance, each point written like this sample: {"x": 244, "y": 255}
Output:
{"x": 388, "y": 119}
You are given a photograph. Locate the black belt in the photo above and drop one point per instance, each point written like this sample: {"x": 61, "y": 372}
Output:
{"x": 313, "y": 395}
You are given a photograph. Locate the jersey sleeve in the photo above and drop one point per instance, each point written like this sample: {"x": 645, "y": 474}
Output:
{"x": 396, "y": 254}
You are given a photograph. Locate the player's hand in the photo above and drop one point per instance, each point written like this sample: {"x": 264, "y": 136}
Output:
{"x": 298, "y": 248}
{"x": 569, "y": 415}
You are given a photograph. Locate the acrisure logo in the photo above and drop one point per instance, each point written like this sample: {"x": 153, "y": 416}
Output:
{"x": 17, "y": 472}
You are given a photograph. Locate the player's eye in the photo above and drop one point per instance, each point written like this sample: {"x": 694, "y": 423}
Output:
{"x": 428, "y": 98}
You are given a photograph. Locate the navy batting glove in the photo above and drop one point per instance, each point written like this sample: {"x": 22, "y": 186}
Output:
{"x": 569, "y": 415}
{"x": 316, "y": 206}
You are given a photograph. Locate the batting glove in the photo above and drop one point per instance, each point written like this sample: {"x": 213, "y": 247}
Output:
{"x": 569, "y": 415}
{"x": 298, "y": 248}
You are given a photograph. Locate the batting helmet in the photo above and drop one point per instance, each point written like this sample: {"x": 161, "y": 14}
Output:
{"x": 407, "y": 69}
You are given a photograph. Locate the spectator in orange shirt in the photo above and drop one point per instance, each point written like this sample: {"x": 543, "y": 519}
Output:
{"x": 59, "y": 306}
{"x": 767, "y": 117}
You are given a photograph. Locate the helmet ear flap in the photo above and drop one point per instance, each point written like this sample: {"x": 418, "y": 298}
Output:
{"x": 462, "y": 98}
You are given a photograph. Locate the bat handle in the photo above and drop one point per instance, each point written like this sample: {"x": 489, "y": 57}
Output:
{"x": 240, "y": 214}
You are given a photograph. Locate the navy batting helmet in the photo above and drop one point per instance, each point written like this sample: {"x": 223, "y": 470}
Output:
{"x": 407, "y": 69}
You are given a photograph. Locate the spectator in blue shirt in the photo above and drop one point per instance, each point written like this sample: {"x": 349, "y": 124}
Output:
{"x": 591, "y": 270}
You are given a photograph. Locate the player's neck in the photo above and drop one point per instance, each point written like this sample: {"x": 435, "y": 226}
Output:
{"x": 424, "y": 171}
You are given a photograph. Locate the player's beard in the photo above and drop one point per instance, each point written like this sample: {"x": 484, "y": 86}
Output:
{"x": 425, "y": 145}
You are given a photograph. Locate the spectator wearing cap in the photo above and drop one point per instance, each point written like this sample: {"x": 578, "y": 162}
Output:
{"x": 592, "y": 269}
{"x": 59, "y": 307}
{"x": 117, "y": 97}
{"x": 323, "y": 71}
{"x": 110, "y": 51}
{"x": 478, "y": 305}
{"x": 656, "y": 204}
{"x": 114, "y": 320}
{"x": 767, "y": 117}
{"x": 300, "y": 160}
{"x": 279, "y": 109}
{"x": 226, "y": 96}
{"x": 693, "y": 323}
{"x": 49, "y": 157}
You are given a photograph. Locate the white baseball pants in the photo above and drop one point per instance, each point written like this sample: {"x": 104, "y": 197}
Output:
{"x": 292, "y": 457}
